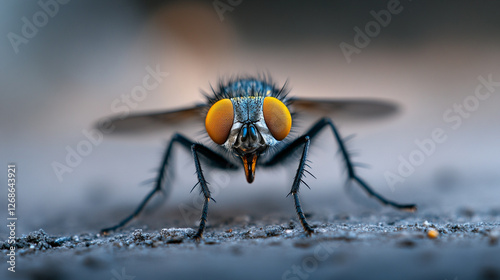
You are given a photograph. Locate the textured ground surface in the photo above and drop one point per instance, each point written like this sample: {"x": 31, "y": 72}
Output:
{"x": 394, "y": 246}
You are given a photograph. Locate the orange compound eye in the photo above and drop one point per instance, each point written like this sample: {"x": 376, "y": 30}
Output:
{"x": 277, "y": 117}
{"x": 219, "y": 120}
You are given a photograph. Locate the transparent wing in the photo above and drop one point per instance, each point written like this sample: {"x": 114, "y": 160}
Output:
{"x": 351, "y": 109}
{"x": 143, "y": 123}
{"x": 154, "y": 122}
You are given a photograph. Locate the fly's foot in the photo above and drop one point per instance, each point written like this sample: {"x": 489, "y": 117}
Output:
{"x": 307, "y": 229}
{"x": 198, "y": 237}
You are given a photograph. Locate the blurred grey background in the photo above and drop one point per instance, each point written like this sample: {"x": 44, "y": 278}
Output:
{"x": 89, "y": 54}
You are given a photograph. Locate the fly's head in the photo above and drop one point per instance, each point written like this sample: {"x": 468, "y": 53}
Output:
{"x": 247, "y": 126}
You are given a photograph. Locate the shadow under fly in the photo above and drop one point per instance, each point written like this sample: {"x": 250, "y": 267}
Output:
{"x": 249, "y": 121}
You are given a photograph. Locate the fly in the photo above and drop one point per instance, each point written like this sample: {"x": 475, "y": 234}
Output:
{"x": 249, "y": 120}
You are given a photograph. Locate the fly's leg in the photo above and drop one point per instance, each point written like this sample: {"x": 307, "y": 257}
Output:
{"x": 157, "y": 188}
{"x": 203, "y": 189}
{"x": 216, "y": 159}
{"x": 220, "y": 162}
{"x": 326, "y": 122}
{"x": 296, "y": 184}
{"x": 311, "y": 134}
{"x": 303, "y": 140}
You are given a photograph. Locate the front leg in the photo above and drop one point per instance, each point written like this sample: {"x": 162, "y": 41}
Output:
{"x": 296, "y": 185}
{"x": 203, "y": 189}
